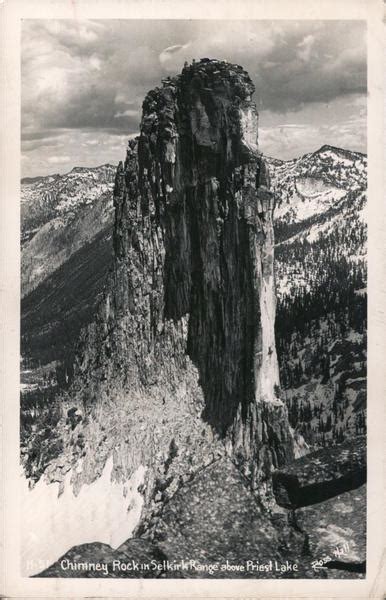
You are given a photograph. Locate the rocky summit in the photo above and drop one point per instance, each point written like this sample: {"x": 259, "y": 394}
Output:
{"x": 177, "y": 376}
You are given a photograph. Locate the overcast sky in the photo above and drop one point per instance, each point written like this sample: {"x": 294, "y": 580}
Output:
{"x": 83, "y": 83}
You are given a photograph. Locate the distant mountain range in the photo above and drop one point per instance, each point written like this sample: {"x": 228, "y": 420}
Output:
{"x": 59, "y": 214}
{"x": 320, "y": 252}
{"x": 320, "y": 229}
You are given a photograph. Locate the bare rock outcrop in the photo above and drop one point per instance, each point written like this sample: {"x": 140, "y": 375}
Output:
{"x": 183, "y": 346}
{"x": 325, "y": 493}
{"x": 322, "y": 475}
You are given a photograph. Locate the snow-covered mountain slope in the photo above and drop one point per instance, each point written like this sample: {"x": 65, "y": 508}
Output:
{"x": 314, "y": 184}
{"x": 61, "y": 196}
{"x": 321, "y": 285}
{"x": 59, "y": 214}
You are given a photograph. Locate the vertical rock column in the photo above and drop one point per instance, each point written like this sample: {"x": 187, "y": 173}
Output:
{"x": 205, "y": 184}
{"x": 185, "y": 335}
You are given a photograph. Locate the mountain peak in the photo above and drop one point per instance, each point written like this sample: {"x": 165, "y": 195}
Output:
{"x": 88, "y": 169}
{"x": 337, "y": 151}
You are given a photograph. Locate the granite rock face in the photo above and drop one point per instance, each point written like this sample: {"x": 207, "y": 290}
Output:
{"x": 184, "y": 338}
{"x": 205, "y": 202}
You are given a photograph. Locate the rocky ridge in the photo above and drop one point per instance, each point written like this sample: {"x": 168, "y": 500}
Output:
{"x": 213, "y": 527}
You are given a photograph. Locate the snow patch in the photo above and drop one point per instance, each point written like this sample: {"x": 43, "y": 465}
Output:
{"x": 361, "y": 292}
{"x": 337, "y": 158}
{"x": 104, "y": 511}
{"x": 28, "y": 387}
{"x": 355, "y": 337}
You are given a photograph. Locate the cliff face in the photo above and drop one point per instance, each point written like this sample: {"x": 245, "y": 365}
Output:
{"x": 180, "y": 365}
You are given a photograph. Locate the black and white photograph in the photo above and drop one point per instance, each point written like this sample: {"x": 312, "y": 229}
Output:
{"x": 193, "y": 299}
{"x": 193, "y": 323}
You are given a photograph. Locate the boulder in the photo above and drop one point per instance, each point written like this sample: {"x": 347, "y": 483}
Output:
{"x": 321, "y": 475}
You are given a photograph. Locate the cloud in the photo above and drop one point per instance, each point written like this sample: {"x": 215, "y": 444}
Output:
{"x": 127, "y": 113}
{"x": 37, "y": 134}
{"x": 95, "y": 63}
{"x": 305, "y": 47}
{"x": 72, "y": 148}
{"x": 341, "y": 123}
{"x": 326, "y": 63}
{"x": 58, "y": 160}
{"x": 172, "y": 55}
{"x": 89, "y": 78}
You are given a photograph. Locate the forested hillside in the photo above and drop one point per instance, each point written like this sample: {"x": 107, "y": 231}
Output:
{"x": 321, "y": 284}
